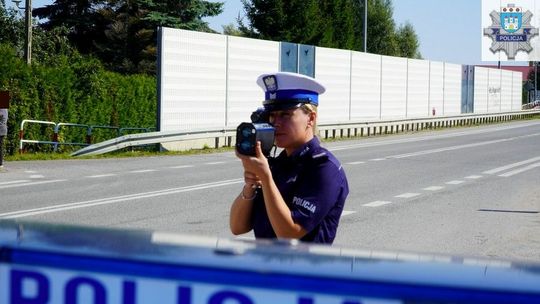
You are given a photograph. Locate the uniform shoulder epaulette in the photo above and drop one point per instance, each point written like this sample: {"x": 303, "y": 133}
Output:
{"x": 320, "y": 156}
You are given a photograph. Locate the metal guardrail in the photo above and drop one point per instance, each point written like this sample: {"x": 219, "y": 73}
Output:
{"x": 153, "y": 138}
{"x": 55, "y": 142}
{"x": 66, "y": 124}
{"x": 381, "y": 127}
{"x": 334, "y": 130}
{"x": 22, "y": 141}
{"x": 532, "y": 105}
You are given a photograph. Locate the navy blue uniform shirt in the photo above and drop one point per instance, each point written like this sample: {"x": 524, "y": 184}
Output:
{"x": 314, "y": 186}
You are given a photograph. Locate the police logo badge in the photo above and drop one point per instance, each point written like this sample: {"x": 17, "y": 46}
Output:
{"x": 511, "y": 31}
{"x": 511, "y": 18}
{"x": 271, "y": 83}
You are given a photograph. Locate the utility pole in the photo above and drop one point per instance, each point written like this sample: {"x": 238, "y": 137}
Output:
{"x": 365, "y": 25}
{"x": 28, "y": 41}
{"x": 28, "y": 28}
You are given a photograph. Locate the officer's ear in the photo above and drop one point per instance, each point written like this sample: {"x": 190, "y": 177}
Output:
{"x": 312, "y": 118}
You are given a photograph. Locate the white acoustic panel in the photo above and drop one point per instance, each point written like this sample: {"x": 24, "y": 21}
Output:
{"x": 365, "y": 86}
{"x": 480, "y": 90}
{"x": 193, "y": 84}
{"x": 506, "y": 90}
{"x": 394, "y": 87}
{"x": 517, "y": 87}
{"x": 332, "y": 69}
{"x": 209, "y": 80}
{"x": 494, "y": 90}
{"x": 452, "y": 89}
{"x": 248, "y": 59}
{"x": 417, "y": 88}
{"x": 436, "y": 88}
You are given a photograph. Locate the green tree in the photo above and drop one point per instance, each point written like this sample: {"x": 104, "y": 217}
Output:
{"x": 183, "y": 14}
{"x": 128, "y": 42}
{"x": 73, "y": 88}
{"x": 381, "y": 28}
{"x": 266, "y": 19}
{"x": 407, "y": 41}
{"x": 329, "y": 23}
{"x": 46, "y": 44}
{"x": 85, "y": 25}
{"x": 338, "y": 24}
{"x": 231, "y": 30}
{"x": 296, "y": 21}
{"x": 123, "y": 33}
{"x": 11, "y": 27}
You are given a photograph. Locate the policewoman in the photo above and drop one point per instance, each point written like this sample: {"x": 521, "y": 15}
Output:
{"x": 300, "y": 193}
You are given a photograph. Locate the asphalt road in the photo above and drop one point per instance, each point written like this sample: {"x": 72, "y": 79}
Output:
{"x": 465, "y": 191}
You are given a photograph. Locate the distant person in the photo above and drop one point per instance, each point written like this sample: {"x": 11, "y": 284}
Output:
{"x": 3, "y": 133}
{"x": 299, "y": 194}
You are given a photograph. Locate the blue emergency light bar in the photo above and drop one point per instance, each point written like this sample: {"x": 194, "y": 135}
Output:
{"x": 42, "y": 263}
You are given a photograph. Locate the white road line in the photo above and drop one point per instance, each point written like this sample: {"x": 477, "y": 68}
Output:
{"x": 451, "y": 148}
{"x": 510, "y": 166}
{"x": 32, "y": 183}
{"x": 36, "y": 176}
{"x": 455, "y": 182}
{"x": 216, "y": 163}
{"x": 347, "y": 212}
{"x": 434, "y": 188}
{"x": 377, "y": 159}
{"x": 15, "y": 182}
{"x": 101, "y": 175}
{"x": 473, "y": 177}
{"x": 111, "y": 200}
{"x": 376, "y": 204}
{"x": 143, "y": 171}
{"x": 424, "y": 138}
{"x": 407, "y": 195}
{"x": 514, "y": 172}
{"x": 182, "y": 167}
{"x": 356, "y": 163}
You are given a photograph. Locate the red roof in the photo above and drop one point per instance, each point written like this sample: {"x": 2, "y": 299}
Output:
{"x": 516, "y": 68}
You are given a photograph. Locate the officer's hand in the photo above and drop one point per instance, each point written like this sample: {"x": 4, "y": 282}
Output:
{"x": 257, "y": 165}
{"x": 251, "y": 179}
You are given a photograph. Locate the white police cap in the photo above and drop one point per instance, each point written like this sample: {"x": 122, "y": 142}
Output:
{"x": 284, "y": 90}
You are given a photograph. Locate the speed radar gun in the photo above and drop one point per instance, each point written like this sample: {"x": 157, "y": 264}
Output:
{"x": 283, "y": 91}
{"x": 247, "y": 134}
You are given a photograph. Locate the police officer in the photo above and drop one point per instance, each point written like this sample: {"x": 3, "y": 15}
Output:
{"x": 300, "y": 193}
{"x": 3, "y": 133}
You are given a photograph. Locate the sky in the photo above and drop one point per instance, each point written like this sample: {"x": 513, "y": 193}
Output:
{"x": 448, "y": 31}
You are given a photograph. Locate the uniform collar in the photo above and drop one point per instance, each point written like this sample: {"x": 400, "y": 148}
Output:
{"x": 305, "y": 149}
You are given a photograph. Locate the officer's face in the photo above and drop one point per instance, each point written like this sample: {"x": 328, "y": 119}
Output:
{"x": 292, "y": 128}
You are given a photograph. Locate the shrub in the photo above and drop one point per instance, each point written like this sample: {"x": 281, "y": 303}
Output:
{"x": 76, "y": 89}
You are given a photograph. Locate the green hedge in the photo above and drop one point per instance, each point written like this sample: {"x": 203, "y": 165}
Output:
{"x": 75, "y": 89}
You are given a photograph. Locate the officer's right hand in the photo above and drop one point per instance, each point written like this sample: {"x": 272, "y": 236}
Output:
{"x": 251, "y": 179}
{"x": 258, "y": 164}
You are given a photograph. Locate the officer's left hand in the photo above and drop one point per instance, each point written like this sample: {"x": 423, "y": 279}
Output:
{"x": 257, "y": 164}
